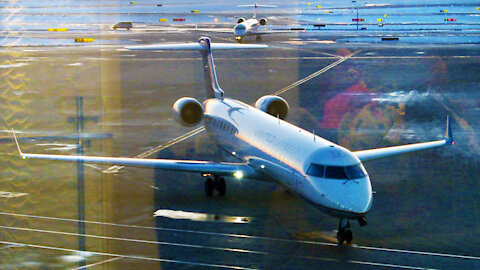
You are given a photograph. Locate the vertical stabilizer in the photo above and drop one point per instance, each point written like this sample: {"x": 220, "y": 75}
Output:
{"x": 255, "y": 6}
{"x": 211, "y": 82}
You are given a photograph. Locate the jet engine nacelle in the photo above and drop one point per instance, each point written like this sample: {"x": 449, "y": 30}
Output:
{"x": 241, "y": 20}
{"x": 273, "y": 105}
{"x": 263, "y": 21}
{"x": 188, "y": 111}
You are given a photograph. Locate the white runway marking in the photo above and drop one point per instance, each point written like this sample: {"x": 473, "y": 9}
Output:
{"x": 391, "y": 265}
{"x": 99, "y": 263}
{"x": 128, "y": 256}
{"x": 425, "y": 253}
{"x": 7, "y": 194}
{"x": 204, "y": 247}
{"x": 11, "y": 246}
{"x": 315, "y": 74}
{"x": 293, "y": 58}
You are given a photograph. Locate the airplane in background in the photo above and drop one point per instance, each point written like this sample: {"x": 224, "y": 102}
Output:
{"x": 247, "y": 27}
{"x": 251, "y": 27}
{"x": 267, "y": 148}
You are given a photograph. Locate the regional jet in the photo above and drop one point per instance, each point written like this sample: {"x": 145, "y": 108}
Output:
{"x": 267, "y": 148}
{"x": 246, "y": 27}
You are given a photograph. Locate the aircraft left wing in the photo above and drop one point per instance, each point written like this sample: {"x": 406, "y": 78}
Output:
{"x": 205, "y": 167}
{"x": 365, "y": 155}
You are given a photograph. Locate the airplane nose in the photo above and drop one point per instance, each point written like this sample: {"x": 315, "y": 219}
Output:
{"x": 239, "y": 30}
{"x": 354, "y": 196}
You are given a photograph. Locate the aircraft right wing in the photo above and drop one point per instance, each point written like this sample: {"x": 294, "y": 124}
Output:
{"x": 365, "y": 155}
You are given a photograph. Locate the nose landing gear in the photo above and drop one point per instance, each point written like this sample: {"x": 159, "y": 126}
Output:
{"x": 344, "y": 233}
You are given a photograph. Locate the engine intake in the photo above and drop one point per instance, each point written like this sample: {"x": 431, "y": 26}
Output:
{"x": 273, "y": 105}
{"x": 188, "y": 111}
{"x": 263, "y": 21}
{"x": 241, "y": 20}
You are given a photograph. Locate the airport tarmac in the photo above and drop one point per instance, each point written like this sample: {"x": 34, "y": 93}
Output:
{"x": 425, "y": 212}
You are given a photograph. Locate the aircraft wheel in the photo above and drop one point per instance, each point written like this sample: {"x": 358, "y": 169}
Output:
{"x": 349, "y": 236}
{"x": 221, "y": 186}
{"x": 209, "y": 187}
{"x": 341, "y": 236}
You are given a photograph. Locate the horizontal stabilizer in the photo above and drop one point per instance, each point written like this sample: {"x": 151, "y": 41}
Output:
{"x": 197, "y": 46}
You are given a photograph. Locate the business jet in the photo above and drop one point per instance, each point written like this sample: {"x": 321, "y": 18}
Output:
{"x": 267, "y": 148}
{"x": 250, "y": 27}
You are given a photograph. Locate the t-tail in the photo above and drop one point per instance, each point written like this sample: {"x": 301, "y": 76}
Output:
{"x": 205, "y": 46}
{"x": 256, "y": 6}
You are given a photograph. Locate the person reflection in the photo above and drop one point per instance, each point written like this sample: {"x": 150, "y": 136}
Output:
{"x": 349, "y": 101}
{"x": 357, "y": 117}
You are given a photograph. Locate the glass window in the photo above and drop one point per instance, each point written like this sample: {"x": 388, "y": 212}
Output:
{"x": 355, "y": 171}
{"x": 315, "y": 170}
{"x": 335, "y": 172}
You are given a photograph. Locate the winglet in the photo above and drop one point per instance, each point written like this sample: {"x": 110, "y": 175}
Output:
{"x": 18, "y": 145}
{"x": 448, "y": 133}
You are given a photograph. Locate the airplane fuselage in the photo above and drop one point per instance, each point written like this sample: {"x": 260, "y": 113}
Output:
{"x": 291, "y": 156}
{"x": 245, "y": 28}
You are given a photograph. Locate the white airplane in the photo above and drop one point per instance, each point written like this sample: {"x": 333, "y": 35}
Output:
{"x": 268, "y": 148}
{"x": 249, "y": 27}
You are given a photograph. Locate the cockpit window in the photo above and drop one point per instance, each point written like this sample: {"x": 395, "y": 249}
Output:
{"x": 354, "y": 172}
{"x": 240, "y": 27}
{"x": 335, "y": 172}
{"x": 316, "y": 170}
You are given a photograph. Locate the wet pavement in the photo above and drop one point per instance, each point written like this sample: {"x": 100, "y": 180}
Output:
{"x": 425, "y": 212}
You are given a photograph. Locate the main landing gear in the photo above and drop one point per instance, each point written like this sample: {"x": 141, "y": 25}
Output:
{"x": 344, "y": 233}
{"x": 217, "y": 183}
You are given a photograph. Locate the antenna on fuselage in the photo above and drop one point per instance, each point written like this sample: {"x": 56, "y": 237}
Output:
{"x": 205, "y": 46}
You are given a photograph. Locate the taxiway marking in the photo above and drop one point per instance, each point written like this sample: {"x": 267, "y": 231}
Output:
{"x": 207, "y": 247}
{"x": 99, "y": 263}
{"x": 10, "y": 246}
{"x": 315, "y": 74}
{"x": 7, "y": 194}
{"x": 251, "y": 237}
{"x": 128, "y": 256}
